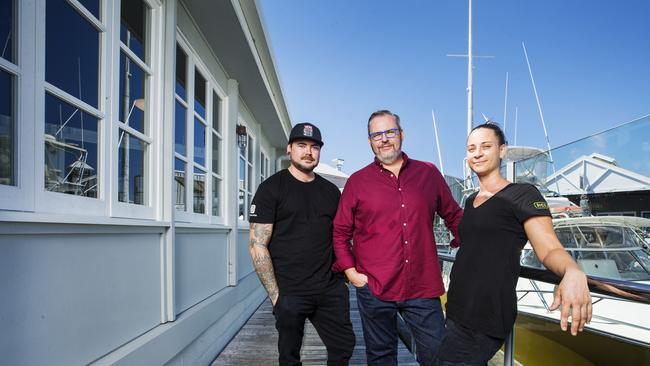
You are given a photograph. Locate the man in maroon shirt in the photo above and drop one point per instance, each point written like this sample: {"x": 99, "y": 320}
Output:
{"x": 384, "y": 242}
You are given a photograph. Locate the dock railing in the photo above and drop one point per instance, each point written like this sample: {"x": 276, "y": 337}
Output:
{"x": 617, "y": 289}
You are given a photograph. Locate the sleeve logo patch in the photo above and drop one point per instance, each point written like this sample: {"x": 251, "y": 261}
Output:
{"x": 540, "y": 205}
{"x": 253, "y": 209}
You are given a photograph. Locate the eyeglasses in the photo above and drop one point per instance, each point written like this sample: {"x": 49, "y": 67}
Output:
{"x": 376, "y": 136}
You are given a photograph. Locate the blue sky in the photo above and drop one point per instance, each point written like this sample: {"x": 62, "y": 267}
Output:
{"x": 339, "y": 60}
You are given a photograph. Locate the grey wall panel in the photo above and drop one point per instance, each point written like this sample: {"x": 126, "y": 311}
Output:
{"x": 67, "y": 299}
{"x": 244, "y": 263}
{"x": 201, "y": 266}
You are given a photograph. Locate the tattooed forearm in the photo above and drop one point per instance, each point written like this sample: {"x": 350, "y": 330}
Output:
{"x": 260, "y": 236}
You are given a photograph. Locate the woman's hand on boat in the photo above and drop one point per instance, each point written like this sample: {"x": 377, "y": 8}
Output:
{"x": 572, "y": 296}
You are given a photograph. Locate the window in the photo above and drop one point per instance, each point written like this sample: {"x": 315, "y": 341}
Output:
{"x": 264, "y": 167}
{"x": 134, "y": 139}
{"x": 216, "y": 154}
{"x": 72, "y": 107}
{"x": 7, "y": 91}
{"x": 198, "y": 138}
{"x": 245, "y": 177}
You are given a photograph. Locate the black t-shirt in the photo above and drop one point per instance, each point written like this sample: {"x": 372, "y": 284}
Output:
{"x": 301, "y": 243}
{"x": 482, "y": 291}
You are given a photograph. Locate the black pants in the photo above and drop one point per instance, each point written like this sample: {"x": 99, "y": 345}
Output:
{"x": 329, "y": 312}
{"x": 466, "y": 347}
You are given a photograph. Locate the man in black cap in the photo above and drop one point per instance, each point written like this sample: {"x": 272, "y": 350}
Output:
{"x": 291, "y": 247}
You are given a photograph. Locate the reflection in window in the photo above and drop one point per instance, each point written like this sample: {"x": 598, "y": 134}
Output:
{"x": 132, "y": 177}
{"x": 199, "y": 191}
{"x": 245, "y": 180}
{"x": 216, "y": 153}
{"x": 181, "y": 72}
{"x": 179, "y": 129}
{"x": 133, "y": 26}
{"x": 7, "y": 30}
{"x": 92, "y": 6}
{"x": 179, "y": 184}
{"x": 7, "y": 162}
{"x": 216, "y": 150}
{"x": 199, "y": 142}
{"x": 71, "y": 52}
{"x": 199, "y": 94}
{"x": 132, "y": 94}
{"x": 70, "y": 149}
{"x": 216, "y": 112}
{"x": 216, "y": 187}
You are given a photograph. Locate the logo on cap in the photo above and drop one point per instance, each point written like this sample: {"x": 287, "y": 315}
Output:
{"x": 308, "y": 131}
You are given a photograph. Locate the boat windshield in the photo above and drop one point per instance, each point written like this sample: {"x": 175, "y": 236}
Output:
{"x": 614, "y": 252}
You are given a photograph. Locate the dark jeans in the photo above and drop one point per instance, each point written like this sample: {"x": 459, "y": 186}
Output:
{"x": 379, "y": 320}
{"x": 466, "y": 347}
{"x": 329, "y": 312}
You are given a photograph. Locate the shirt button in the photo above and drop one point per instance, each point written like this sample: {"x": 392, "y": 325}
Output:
{"x": 407, "y": 261}
{"x": 402, "y": 205}
{"x": 406, "y": 242}
{"x": 399, "y": 189}
{"x": 391, "y": 175}
{"x": 404, "y": 224}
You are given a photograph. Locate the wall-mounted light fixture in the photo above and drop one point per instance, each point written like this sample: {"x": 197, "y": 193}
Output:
{"x": 242, "y": 136}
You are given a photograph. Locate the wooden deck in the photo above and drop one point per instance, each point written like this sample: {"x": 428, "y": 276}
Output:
{"x": 257, "y": 342}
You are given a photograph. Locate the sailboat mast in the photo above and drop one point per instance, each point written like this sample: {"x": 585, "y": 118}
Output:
{"x": 435, "y": 129}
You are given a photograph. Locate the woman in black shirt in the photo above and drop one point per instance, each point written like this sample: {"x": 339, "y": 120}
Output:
{"x": 497, "y": 222}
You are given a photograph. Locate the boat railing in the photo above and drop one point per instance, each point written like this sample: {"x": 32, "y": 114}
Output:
{"x": 610, "y": 288}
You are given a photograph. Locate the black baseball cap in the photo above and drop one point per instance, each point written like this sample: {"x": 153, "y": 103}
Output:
{"x": 305, "y": 131}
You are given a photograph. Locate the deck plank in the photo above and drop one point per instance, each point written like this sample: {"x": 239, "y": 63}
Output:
{"x": 257, "y": 342}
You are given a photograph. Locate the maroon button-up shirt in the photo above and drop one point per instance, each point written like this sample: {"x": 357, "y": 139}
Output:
{"x": 384, "y": 228}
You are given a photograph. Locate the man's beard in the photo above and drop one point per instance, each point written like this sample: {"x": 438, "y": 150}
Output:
{"x": 388, "y": 157}
{"x": 303, "y": 168}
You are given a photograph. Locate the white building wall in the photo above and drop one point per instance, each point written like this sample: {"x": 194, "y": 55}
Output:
{"x": 98, "y": 282}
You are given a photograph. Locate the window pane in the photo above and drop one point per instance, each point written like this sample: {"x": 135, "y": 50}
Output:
{"x": 132, "y": 94}
{"x": 132, "y": 178}
{"x": 250, "y": 145}
{"x": 71, "y": 52}
{"x": 199, "y": 142}
{"x": 70, "y": 149}
{"x": 7, "y": 30}
{"x": 199, "y": 191}
{"x": 133, "y": 26}
{"x": 179, "y": 184}
{"x": 179, "y": 129}
{"x": 92, "y": 6}
{"x": 216, "y": 150}
{"x": 7, "y": 163}
{"x": 199, "y": 94}
{"x": 216, "y": 186}
{"x": 242, "y": 173}
{"x": 216, "y": 112}
{"x": 242, "y": 206}
{"x": 250, "y": 176}
{"x": 181, "y": 72}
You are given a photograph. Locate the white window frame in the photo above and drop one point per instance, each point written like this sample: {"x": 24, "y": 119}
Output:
{"x": 220, "y": 217}
{"x": 55, "y": 202}
{"x": 194, "y": 62}
{"x": 251, "y": 166}
{"x": 153, "y": 114}
{"x": 20, "y": 195}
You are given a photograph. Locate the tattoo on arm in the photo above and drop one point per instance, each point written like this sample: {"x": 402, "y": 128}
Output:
{"x": 260, "y": 236}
